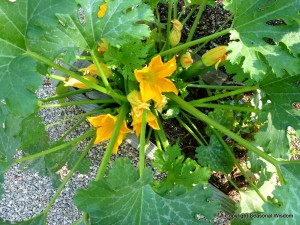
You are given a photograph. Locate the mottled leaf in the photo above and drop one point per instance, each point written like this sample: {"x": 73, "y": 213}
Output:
{"x": 280, "y": 113}
{"x": 214, "y": 156}
{"x": 132, "y": 201}
{"x": 261, "y": 44}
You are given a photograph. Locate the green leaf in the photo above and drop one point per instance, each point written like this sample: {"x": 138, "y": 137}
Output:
{"x": 9, "y": 140}
{"x": 120, "y": 199}
{"x": 254, "y": 163}
{"x": 122, "y": 19}
{"x": 180, "y": 171}
{"x": 224, "y": 117}
{"x": 32, "y": 130}
{"x": 284, "y": 207}
{"x": 280, "y": 113}
{"x": 214, "y": 156}
{"x": 19, "y": 21}
{"x": 251, "y": 28}
{"x": 37, "y": 220}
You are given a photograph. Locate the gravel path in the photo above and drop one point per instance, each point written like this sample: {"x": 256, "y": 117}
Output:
{"x": 26, "y": 194}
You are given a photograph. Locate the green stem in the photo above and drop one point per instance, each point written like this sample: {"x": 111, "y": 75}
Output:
{"x": 201, "y": 116}
{"x": 109, "y": 150}
{"x": 84, "y": 102}
{"x": 236, "y": 162}
{"x": 196, "y": 21}
{"x": 189, "y": 15}
{"x": 64, "y": 95}
{"x": 195, "y": 42}
{"x": 56, "y": 148}
{"x": 228, "y": 94}
{"x": 71, "y": 129}
{"x": 194, "y": 126}
{"x": 76, "y": 76}
{"x": 55, "y": 77}
{"x": 232, "y": 183}
{"x": 84, "y": 57}
{"x": 101, "y": 73}
{"x": 97, "y": 110}
{"x": 68, "y": 177}
{"x": 183, "y": 124}
{"x": 216, "y": 87}
{"x": 226, "y": 107}
{"x": 142, "y": 143}
{"x": 161, "y": 133}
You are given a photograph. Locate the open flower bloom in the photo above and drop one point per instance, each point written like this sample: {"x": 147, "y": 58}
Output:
{"x": 102, "y": 47}
{"x": 137, "y": 122}
{"x": 175, "y": 34}
{"x": 137, "y": 104}
{"x": 186, "y": 60}
{"x": 92, "y": 69}
{"x": 105, "y": 125}
{"x": 102, "y": 9}
{"x": 153, "y": 79}
{"x": 214, "y": 56}
{"x": 78, "y": 84}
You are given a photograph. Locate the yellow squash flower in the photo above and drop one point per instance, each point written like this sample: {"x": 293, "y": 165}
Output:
{"x": 105, "y": 125}
{"x": 137, "y": 122}
{"x": 186, "y": 60}
{"x": 78, "y": 84}
{"x": 175, "y": 34}
{"x": 92, "y": 69}
{"x": 102, "y": 9}
{"x": 137, "y": 104}
{"x": 153, "y": 79}
{"x": 214, "y": 56}
{"x": 160, "y": 105}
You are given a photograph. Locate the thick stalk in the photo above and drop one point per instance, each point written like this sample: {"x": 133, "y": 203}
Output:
{"x": 68, "y": 177}
{"x": 201, "y": 116}
{"x": 228, "y": 94}
{"x": 76, "y": 76}
{"x": 101, "y": 73}
{"x": 56, "y": 148}
{"x": 195, "y": 42}
{"x": 109, "y": 150}
{"x": 142, "y": 143}
{"x": 161, "y": 134}
{"x": 183, "y": 124}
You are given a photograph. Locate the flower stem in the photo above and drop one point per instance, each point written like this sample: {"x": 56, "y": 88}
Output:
{"x": 56, "y": 148}
{"x": 142, "y": 143}
{"x": 76, "y": 76}
{"x": 101, "y": 73}
{"x": 226, "y": 107}
{"x": 195, "y": 42}
{"x": 216, "y": 97}
{"x": 161, "y": 134}
{"x": 68, "y": 177}
{"x": 109, "y": 150}
{"x": 71, "y": 129}
{"x": 84, "y": 102}
{"x": 201, "y": 116}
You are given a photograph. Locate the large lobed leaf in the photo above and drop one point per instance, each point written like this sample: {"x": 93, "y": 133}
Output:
{"x": 128, "y": 199}
{"x": 281, "y": 112}
{"x": 252, "y": 28}
{"x": 21, "y": 25}
{"x": 122, "y": 19}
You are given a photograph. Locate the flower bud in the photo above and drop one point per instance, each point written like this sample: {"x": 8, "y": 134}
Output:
{"x": 186, "y": 60}
{"x": 175, "y": 34}
{"x": 78, "y": 84}
{"x": 214, "y": 56}
{"x": 102, "y": 47}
